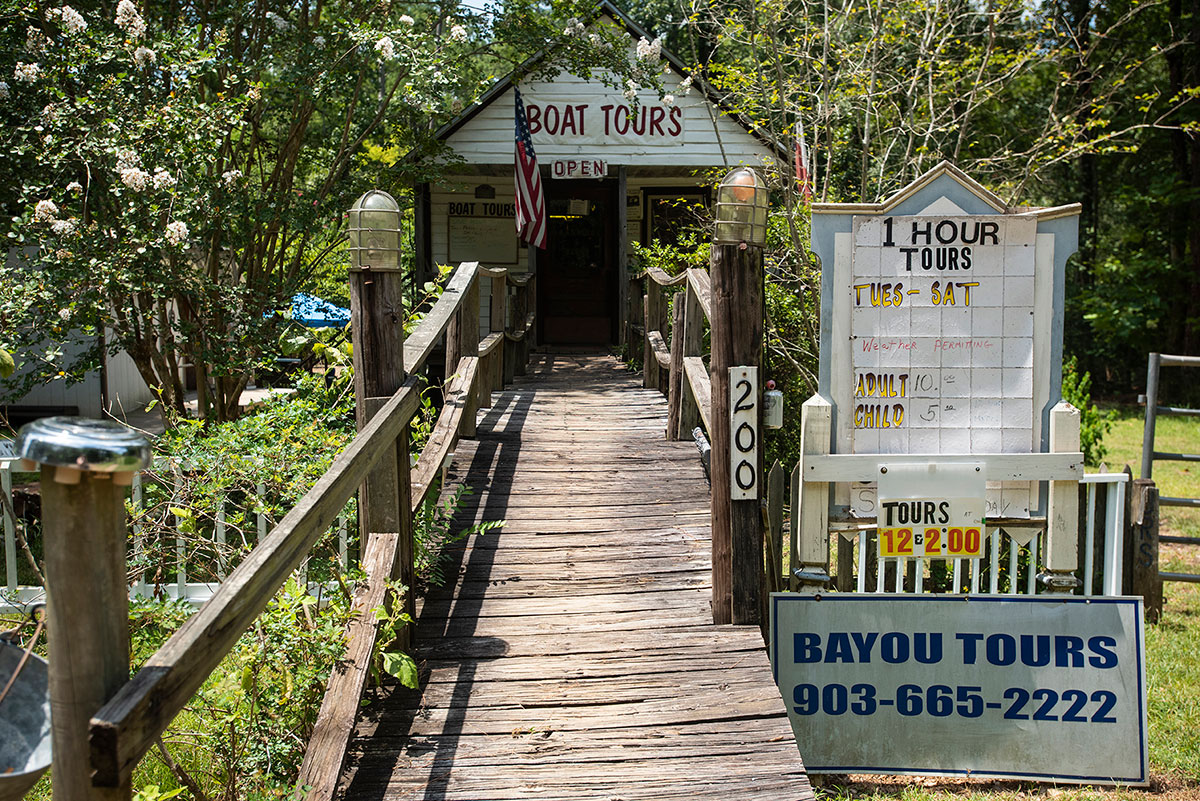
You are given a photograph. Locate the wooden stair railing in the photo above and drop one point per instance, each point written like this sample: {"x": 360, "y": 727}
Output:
{"x": 125, "y": 728}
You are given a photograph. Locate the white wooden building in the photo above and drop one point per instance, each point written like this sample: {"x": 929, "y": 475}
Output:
{"x": 611, "y": 176}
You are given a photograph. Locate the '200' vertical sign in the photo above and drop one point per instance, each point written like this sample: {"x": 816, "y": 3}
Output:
{"x": 743, "y": 433}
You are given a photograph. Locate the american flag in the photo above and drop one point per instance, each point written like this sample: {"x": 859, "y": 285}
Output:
{"x": 531, "y": 206}
{"x": 801, "y": 165}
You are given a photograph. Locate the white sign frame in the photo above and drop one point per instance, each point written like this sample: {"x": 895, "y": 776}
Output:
{"x": 1082, "y": 664}
{"x": 744, "y": 434}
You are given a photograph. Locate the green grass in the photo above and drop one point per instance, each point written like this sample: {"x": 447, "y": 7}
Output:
{"x": 1174, "y": 434}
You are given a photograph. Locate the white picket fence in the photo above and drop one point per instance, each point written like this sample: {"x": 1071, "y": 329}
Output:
{"x": 968, "y": 575}
{"x": 15, "y": 597}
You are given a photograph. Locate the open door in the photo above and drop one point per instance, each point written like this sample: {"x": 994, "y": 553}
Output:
{"x": 577, "y": 273}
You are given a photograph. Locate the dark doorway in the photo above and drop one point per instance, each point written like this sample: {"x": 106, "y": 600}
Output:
{"x": 577, "y": 273}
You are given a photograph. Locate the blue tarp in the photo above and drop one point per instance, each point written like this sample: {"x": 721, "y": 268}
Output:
{"x": 317, "y": 313}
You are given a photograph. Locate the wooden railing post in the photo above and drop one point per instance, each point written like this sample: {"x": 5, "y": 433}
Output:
{"x": 377, "y": 326}
{"x": 676, "y": 383}
{"x": 462, "y": 339}
{"x": 655, "y": 313}
{"x": 737, "y": 333}
{"x": 1143, "y": 530}
{"x": 498, "y": 310}
{"x": 85, "y": 467}
{"x": 693, "y": 339}
{"x": 520, "y": 312}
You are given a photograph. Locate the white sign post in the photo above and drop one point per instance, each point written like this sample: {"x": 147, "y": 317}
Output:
{"x": 988, "y": 686}
{"x": 743, "y": 433}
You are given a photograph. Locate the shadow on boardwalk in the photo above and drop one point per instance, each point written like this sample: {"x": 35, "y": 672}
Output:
{"x": 571, "y": 655}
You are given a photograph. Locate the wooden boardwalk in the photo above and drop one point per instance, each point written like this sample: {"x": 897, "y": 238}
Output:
{"x": 571, "y": 654}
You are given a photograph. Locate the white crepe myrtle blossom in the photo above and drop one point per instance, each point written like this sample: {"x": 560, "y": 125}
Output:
{"x": 163, "y": 179}
{"x": 72, "y": 20}
{"x": 647, "y": 50}
{"x": 231, "y": 177}
{"x": 62, "y": 227}
{"x": 35, "y": 40}
{"x": 686, "y": 85}
{"x": 668, "y": 100}
{"x": 5, "y": 92}
{"x": 177, "y": 233}
{"x": 26, "y": 73}
{"x": 318, "y": 41}
{"x": 75, "y": 187}
{"x": 127, "y": 159}
{"x": 458, "y": 34}
{"x": 143, "y": 56}
{"x": 386, "y": 48}
{"x": 281, "y": 24}
{"x": 574, "y": 27}
{"x": 64, "y": 314}
{"x": 135, "y": 178}
{"x": 45, "y": 211}
{"x": 129, "y": 20}
{"x": 631, "y": 90}
{"x": 407, "y": 20}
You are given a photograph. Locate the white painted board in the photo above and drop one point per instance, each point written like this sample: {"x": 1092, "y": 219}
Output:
{"x": 942, "y": 312}
{"x": 743, "y": 433}
{"x": 1050, "y": 689}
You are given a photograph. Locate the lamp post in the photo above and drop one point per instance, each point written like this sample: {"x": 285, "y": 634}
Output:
{"x": 377, "y": 333}
{"x": 736, "y": 271}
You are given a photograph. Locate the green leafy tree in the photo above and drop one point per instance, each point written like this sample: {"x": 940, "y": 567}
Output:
{"x": 177, "y": 170}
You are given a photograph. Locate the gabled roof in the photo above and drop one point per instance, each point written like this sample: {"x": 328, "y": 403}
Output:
{"x": 605, "y": 7}
{"x": 928, "y": 187}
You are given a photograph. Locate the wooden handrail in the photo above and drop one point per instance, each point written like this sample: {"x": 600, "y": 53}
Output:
{"x": 420, "y": 343}
{"x": 125, "y": 728}
{"x": 662, "y": 354}
{"x": 701, "y": 285}
{"x": 445, "y": 431}
{"x": 701, "y": 384}
{"x": 662, "y": 279}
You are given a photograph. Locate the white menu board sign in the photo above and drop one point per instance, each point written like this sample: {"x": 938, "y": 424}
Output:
{"x": 942, "y": 333}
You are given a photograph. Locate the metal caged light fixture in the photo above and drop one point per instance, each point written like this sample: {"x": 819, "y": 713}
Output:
{"x": 374, "y": 232}
{"x": 741, "y": 212}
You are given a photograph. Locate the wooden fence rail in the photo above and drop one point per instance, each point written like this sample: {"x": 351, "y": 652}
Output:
{"x": 126, "y": 727}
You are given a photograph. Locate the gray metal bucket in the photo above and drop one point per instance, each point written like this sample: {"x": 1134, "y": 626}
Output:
{"x": 24, "y": 722}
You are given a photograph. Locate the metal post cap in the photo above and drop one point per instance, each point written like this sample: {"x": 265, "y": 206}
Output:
{"x": 101, "y": 446}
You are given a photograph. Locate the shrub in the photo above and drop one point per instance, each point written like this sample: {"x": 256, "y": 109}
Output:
{"x": 1093, "y": 423}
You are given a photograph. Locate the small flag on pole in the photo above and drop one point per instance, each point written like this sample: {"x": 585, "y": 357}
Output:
{"x": 804, "y": 185}
{"x": 531, "y": 205}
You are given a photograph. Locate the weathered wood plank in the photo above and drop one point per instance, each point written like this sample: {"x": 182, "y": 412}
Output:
{"x": 571, "y": 652}
{"x": 327, "y": 746}
{"x": 700, "y": 283}
{"x": 701, "y": 385}
{"x": 445, "y": 432}
{"x": 420, "y": 343}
